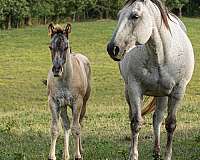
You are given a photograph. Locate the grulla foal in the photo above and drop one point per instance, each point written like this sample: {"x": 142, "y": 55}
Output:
{"x": 68, "y": 85}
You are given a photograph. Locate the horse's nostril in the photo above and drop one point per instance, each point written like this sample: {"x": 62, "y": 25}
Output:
{"x": 110, "y": 47}
{"x": 116, "y": 50}
{"x": 56, "y": 69}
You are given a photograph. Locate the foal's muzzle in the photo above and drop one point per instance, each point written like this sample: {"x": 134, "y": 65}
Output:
{"x": 113, "y": 51}
{"x": 57, "y": 70}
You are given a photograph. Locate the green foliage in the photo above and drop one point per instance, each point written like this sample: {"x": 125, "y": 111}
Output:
{"x": 18, "y": 8}
{"x": 176, "y": 3}
{"x": 16, "y": 13}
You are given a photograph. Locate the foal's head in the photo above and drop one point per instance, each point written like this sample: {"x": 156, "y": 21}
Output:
{"x": 59, "y": 47}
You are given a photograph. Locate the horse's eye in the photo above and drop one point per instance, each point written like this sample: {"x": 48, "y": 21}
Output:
{"x": 65, "y": 48}
{"x": 134, "y": 16}
{"x": 50, "y": 47}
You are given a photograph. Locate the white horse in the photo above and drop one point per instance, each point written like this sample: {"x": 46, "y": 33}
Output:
{"x": 161, "y": 66}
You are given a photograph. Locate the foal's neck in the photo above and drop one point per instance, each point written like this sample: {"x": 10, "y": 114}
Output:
{"x": 68, "y": 69}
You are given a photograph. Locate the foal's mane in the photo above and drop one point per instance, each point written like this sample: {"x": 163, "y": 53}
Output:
{"x": 58, "y": 29}
{"x": 163, "y": 10}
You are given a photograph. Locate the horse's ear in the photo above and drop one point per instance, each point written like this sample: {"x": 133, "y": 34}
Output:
{"x": 145, "y": 1}
{"x": 51, "y": 29}
{"x": 68, "y": 29}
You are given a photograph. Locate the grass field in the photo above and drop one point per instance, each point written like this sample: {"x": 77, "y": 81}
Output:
{"x": 25, "y": 117}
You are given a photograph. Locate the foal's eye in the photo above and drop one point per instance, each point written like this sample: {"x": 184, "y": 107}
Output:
{"x": 50, "y": 47}
{"x": 133, "y": 16}
{"x": 65, "y": 48}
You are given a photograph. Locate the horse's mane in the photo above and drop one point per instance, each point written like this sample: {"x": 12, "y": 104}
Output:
{"x": 163, "y": 10}
{"x": 58, "y": 29}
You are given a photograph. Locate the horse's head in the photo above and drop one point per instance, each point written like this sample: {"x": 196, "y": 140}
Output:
{"x": 134, "y": 27}
{"x": 59, "y": 47}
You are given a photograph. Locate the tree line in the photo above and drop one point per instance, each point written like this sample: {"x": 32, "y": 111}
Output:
{"x": 17, "y": 13}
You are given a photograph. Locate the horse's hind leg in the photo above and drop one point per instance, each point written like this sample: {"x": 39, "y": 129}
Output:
{"x": 66, "y": 127}
{"x": 170, "y": 123}
{"x": 76, "y": 127}
{"x": 80, "y": 121}
{"x": 83, "y": 111}
{"x": 55, "y": 112}
{"x": 161, "y": 104}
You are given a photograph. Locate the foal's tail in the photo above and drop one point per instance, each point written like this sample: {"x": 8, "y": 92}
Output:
{"x": 150, "y": 107}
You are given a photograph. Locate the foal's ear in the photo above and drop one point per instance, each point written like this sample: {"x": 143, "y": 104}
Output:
{"x": 145, "y": 1}
{"x": 68, "y": 29}
{"x": 51, "y": 29}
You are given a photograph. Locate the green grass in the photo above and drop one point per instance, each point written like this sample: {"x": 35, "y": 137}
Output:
{"x": 25, "y": 117}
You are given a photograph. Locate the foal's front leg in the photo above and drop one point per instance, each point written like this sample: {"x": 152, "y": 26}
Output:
{"x": 135, "y": 100}
{"x": 66, "y": 127}
{"x": 55, "y": 112}
{"x": 76, "y": 127}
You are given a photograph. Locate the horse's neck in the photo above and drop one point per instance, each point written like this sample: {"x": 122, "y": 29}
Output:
{"x": 68, "y": 70}
{"x": 160, "y": 40}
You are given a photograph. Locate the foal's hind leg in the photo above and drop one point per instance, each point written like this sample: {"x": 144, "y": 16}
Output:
{"x": 83, "y": 111}
{"x": 170, "y": 123}
{"x": 76, "y": 127}
{"x": 80, "y": 121}
{"x": 161, "y": 104}
{"x": 66, "y": 127}
{"x": 55, "y": 112}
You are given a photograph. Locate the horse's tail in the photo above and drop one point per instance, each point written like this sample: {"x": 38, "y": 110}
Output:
{"x": 149, "y": 108}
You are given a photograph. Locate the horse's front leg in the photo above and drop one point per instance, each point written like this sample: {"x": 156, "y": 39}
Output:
{"x": 55, "y": 112}
{"x": 161, "y": 105}
{"x": 66, "y": 127}
{"x": 135, "y": 99}
{"x": 76, "y": 127}
{"x": 170, "y": 122}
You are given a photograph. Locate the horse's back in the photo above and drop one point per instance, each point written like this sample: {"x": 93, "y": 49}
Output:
{"x": 84, "y": 64}
{"x": 183, "y": 54}
{"x": 174, "y": 18}
{"x": 81, "y": 73}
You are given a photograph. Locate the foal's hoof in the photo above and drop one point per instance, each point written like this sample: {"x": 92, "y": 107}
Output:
{"x": 81, "y": 150}
{"x": 157, "y": 157}
{"x": 78, "y": 159}
{"x": 51, "y": 158}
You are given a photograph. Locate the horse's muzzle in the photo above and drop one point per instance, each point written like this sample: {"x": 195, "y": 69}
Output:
{"x": 57, "y": 70}
{"x": 113, "y": 51}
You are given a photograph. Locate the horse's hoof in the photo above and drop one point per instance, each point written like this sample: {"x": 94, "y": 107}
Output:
{"x": 78, "y": 159}
{"x": 81, "y": 150}
{"x": 52, "y": 158}
{"x": 157, "y": 157}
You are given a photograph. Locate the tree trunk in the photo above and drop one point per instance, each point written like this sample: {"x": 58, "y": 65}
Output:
{"x": 180, "y": 12}
{"x": 74, "y": 17}
{"x": 8, "y": 21}
{"x": 28, "y": 21}
{"x": 45, "y": 20}
{"x": 107, "y": 14}
{"x": 84, "y": 14}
